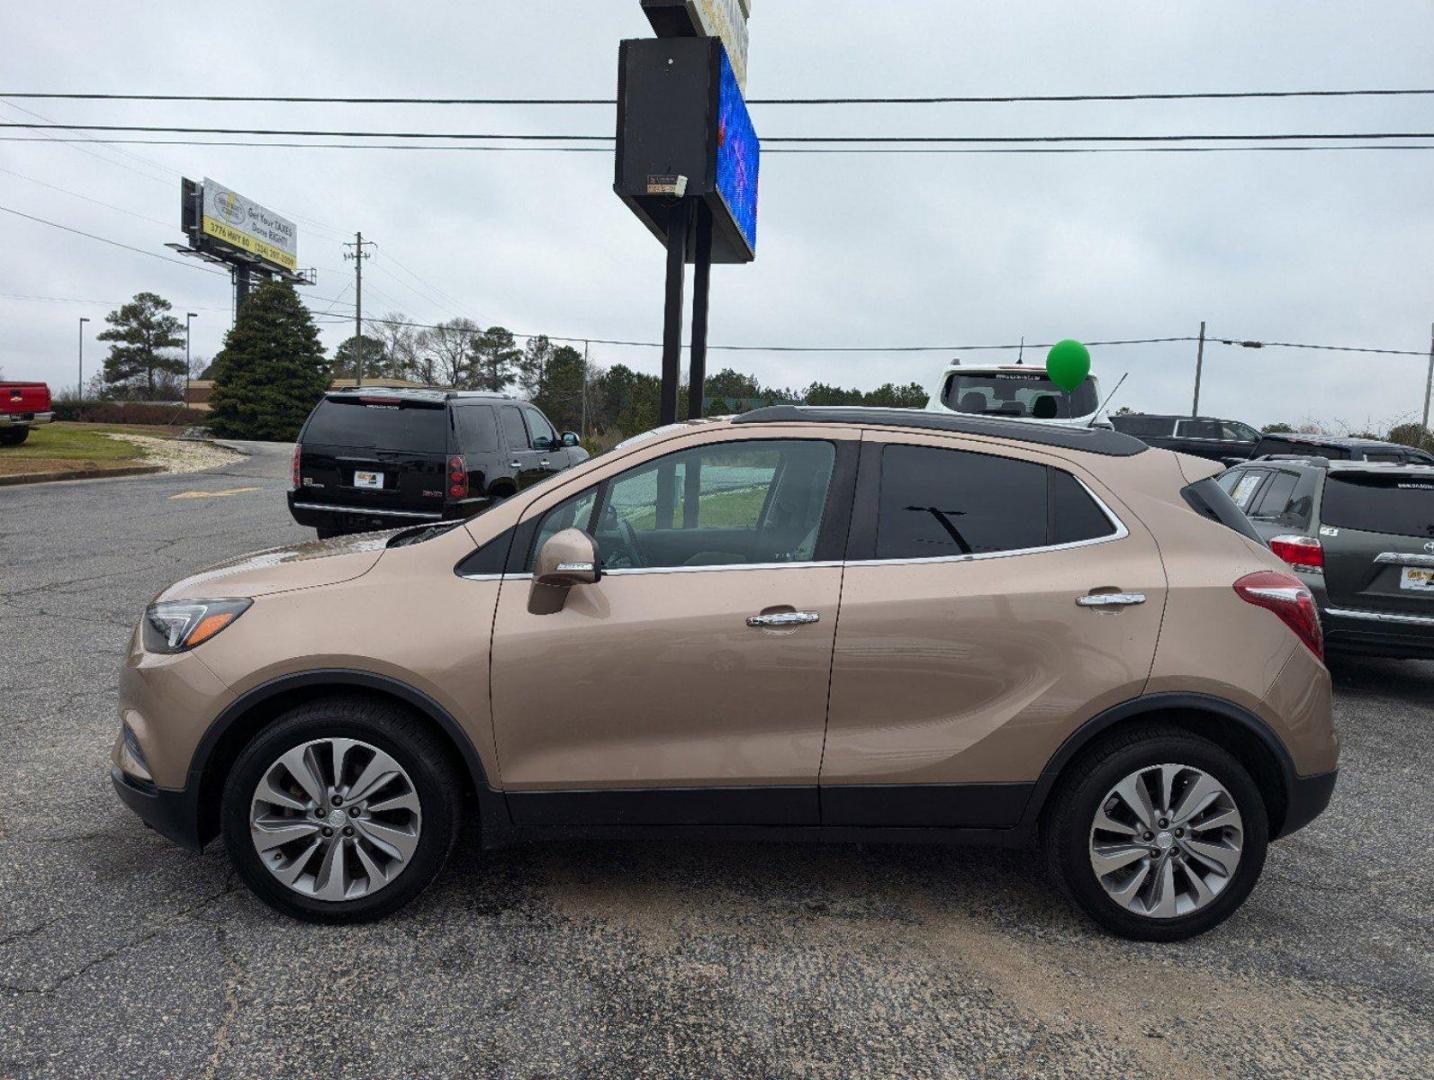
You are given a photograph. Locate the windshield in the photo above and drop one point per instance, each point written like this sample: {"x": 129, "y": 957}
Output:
{"x": 1380, "y": 503}
{"x": 1017, "y": 393}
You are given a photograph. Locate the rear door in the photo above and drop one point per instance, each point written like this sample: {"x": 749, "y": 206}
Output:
{"x": 991, "y": 603}
{"x": 1378, "y": 534}
{"x": 385, "y": 455}
{"x": 543, "y": 437}
{"x": 523, "y": 459}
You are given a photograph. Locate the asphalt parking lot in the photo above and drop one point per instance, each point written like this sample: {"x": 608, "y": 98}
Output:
{"x": 122, "y": 955}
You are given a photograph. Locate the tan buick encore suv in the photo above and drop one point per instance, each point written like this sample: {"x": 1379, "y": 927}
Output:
{"x": 828, "y": 624}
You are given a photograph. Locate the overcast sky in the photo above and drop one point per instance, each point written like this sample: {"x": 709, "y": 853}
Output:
{"x": 852, "y": 250}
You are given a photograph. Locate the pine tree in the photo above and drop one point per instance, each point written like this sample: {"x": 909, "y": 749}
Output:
{"x": 142, "y": 332}
{"x": 272, "y": 370}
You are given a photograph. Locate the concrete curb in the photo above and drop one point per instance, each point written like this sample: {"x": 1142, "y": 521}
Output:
{"x": 78, "y": 474}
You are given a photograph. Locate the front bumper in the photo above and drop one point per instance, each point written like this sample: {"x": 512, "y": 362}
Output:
{"x": 1378, "y": 633}
{"x": 25, "y": 419}
{"x": 1308, "y": 799}
{"x": 169, "y": 812}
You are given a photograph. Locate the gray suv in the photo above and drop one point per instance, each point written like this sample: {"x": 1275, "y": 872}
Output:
{"x": 1360, "y": 534}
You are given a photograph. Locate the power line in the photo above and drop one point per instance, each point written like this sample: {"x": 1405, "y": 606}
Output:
{"x": 86, "y": 198}
{"x": 984, "y": 99}
{"x": 1325, "y": 348}
{"x": 470, "y": 136}
{"x": 113, "y": 243}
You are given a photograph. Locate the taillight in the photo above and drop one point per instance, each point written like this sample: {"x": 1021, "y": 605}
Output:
{"x": 1303, "y": 552}
{"x": 1287, "y": 597}
{"x": 457, "y": 478}
{"x": 294, "y": 477}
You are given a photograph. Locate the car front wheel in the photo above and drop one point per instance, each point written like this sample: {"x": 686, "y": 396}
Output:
{"x": 1157, "y": 834}
{"x": 343, "y": 810}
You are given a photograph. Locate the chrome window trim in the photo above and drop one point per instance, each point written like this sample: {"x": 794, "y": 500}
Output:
{"x": 1380, "y": 616}
{"x": 426, "y": 515}
{"x": 629, "y": 571}
{"x": 1121, "y": 532}
{"x": 1396, "y": 558}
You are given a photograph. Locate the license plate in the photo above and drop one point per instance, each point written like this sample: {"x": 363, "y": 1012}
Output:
{"x": 1417, "y": 579}
{"x": 366, "y": 479}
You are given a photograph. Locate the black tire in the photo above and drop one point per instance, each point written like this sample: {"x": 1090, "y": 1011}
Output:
{"x": 384, "y": 725}
{"x": 14, "y": 436}
{"x": 1067, "y": 824}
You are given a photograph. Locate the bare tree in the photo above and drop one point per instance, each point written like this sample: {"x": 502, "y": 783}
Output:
{"x": 402, "y": 351}
{"x": 450, "y": 347}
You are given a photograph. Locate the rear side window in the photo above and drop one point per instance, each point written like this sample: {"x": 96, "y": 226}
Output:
{"x": 1200, "y": 429}
{"x": 1276, "y": 500}
{"x": 380, "y": 424}
{"x": 1384, "y": 504}
{"x": 1244, "y": 490}
{"x": 513, "y": 429}
{"x": 477, "y": 428}
{"x": 936, "y": 503}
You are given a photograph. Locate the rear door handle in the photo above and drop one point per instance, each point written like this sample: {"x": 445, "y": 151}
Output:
{"x": 1111, "y": 599}
{"x": 783, "y": 618}
{"x": 515, "y": 464}
{"x": 544, "y": 463}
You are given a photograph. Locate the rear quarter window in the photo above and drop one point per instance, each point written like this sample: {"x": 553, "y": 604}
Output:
{"x": 477, "y": 428}
{"x": 1403, "y": 505}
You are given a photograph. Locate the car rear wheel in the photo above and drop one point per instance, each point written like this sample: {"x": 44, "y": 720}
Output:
{"x": 343, "y": 810}
{"x": 14, "y": 436}
{"x": 1157, "y": 834}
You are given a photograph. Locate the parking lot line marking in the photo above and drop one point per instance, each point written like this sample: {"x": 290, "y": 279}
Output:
{"x": 212, "y": 494}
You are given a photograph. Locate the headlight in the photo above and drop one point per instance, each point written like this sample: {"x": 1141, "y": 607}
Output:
{"x": 176, "y": 625}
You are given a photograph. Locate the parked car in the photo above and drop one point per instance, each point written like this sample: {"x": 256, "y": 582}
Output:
{"x": 1339, "y": 448}
{"x": 1013, "y": 392}
{"x": 1360, "y": 535}
{"x": 1225, "y": 441}
{"x": 374, "y": 459}
{"x": 23, "y": 405}
{"x": 1049, "y": 637}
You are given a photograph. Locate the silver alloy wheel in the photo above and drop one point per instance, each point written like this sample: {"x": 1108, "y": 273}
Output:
{"x": 1166, "y": 841}
{"x": 335, "y": 819}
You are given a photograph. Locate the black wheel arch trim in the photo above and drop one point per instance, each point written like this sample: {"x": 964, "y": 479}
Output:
{"x": 1151, "y": 706}
{"x": 493, "y": 813}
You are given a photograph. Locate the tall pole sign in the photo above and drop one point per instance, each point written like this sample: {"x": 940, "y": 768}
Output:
{"x": 688, "y": 159}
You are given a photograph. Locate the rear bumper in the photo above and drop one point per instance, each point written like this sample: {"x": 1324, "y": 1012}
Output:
{"x": 1308, "y": 798}
{"x": 1378, "y": 633}
{"x": 25, "y": 419}
{"x": 170, "y": 813}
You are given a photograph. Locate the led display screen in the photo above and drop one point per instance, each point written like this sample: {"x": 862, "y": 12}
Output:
{"x": 738, "y": 155}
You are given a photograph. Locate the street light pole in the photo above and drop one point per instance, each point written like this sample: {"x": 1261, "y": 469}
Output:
{"x": 80, "y": 386}
{"x": 188, "y": 315}
{"x": 1429, "y": 381}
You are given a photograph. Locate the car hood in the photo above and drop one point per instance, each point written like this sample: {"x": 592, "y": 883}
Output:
{"x": 281, "y": 569}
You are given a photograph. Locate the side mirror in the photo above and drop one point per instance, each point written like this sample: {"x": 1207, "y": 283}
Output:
{"x": 568, "y": 558}
{"x": 570, "y": 438}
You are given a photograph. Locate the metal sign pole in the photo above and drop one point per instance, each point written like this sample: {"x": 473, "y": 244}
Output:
{"x": 701, "y": 286}
{"x": 672, "y": 311}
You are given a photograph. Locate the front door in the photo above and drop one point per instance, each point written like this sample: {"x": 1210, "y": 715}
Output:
{"x": 991, "y": 604}
{"x": 689, "y": 685}
{"x": 525, "y": 462}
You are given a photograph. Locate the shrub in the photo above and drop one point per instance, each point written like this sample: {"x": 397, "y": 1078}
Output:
{"x": 129, "y": 412}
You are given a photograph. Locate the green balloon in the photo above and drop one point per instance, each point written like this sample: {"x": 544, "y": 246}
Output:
{"x": 1068, "y": 364}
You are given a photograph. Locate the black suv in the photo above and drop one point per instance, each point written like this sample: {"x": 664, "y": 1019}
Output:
{"x": 374, "y": 459}
{"x": 1340, "y": 448}
{"x": 1360, "y": 535}
{"x": 1225, "y": 441}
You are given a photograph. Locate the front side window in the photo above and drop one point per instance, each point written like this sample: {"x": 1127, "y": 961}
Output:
{"x": 544, "y": 437}
{"x": 726, "y": 504}
{"x": 937, "y": 503}
{"x": 1200, "y": 429}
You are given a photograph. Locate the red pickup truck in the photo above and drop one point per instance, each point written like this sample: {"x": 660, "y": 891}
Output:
{"x": 22, "y": 405}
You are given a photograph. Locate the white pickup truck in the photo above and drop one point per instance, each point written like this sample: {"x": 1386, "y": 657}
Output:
{"x": 1013, "y": 392}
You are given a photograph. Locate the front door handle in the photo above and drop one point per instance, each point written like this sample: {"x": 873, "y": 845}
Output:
{"x": 1110, "y": 599}
{"x": 782, "y": 618}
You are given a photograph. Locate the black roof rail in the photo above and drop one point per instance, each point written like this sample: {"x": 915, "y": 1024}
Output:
{"x": 1090, "y": 440}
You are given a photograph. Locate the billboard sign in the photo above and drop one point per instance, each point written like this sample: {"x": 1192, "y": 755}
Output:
{"x": 241, "y": 223}
{"x": 739, "y": 154}
{"x": 726, "y": 19}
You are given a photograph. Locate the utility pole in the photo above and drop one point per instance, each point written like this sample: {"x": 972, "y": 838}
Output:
{"x": 188, "y": 315}
{"x": 1429, "y": 381}
{"x": 79, "y": 389}
{"x": 1199, "y": 364}
{"x": 358, "y": 255}
{"x": 583, "y": 423}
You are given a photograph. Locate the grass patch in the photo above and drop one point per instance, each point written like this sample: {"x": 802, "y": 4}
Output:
{"x": 61, "y": 447}
{"x": 736, "y": 509}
